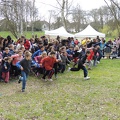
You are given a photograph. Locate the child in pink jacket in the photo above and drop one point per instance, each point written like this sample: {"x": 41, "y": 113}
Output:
{"x": 16, "y": 58}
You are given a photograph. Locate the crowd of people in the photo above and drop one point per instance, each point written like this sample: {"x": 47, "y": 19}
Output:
{"x": 46, "y": 57}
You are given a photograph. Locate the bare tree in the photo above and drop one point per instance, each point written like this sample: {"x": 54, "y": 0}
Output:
{"x": 51, "y": 15}
{"x": 21, "y": 16}
{"x": 7, "y": 12}
{"x": 26, "y": 13}
{"x": 65, "y": 6}
{"x": 77, "y": 17}
{"x": 14, "y": 12}
{"x": 116, "y": 4}
{"x": 33, "y": 15}
{"x": 114, "y": 13}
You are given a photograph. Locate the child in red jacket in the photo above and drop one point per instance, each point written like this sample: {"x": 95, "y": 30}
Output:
{"x": 89, "y": 59}
{"x": 48, "y": 63}
{"x": 26, "y": 43}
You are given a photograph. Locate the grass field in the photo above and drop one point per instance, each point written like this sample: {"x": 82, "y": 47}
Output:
{"x": 27, "y": 34}
{"x": 69, "y": 97}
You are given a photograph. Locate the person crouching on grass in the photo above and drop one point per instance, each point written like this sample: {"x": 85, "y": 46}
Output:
{"x": 25, "y": 66}
{"x": 48, "y": 63}
{"x": 81, "y": 65}
{"x": 6, "y": 69}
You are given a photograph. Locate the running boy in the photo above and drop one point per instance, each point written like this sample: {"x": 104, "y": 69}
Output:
{"x": 25, "y": 66}
{"x": 48, "y": 63}
{"x": 81, "y": 65}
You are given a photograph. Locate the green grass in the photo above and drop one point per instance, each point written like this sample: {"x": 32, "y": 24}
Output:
{"x": 29, "y": 34}
{"x": 110, "y": 38}
{"x": 69, "y": 97}
{"x": 26, "y": 34}
{"x": 5, "y": 34}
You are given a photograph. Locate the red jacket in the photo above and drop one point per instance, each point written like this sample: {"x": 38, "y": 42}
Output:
{"x": 76, "y": 42}
{"x": 90, "y": 57}
{"x": 48, "y": 62}
{"x": 27, "y": 44}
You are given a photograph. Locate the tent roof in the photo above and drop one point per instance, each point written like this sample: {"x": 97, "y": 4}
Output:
{"x": 89, "y": 32}
{"x": 60, "y": 31}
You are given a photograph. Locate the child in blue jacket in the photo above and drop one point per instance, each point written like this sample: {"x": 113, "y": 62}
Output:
{"x": 6, "y": 68}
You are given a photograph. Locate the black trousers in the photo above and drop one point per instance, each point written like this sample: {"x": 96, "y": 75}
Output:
{"x": 81, "y": 67}
{"x": 39, "y": 70}
{"x": 49, "y": 73}
{"x": 15, "y": 71}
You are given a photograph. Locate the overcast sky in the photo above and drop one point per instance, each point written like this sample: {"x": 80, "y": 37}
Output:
{"x": 46, "y": 5}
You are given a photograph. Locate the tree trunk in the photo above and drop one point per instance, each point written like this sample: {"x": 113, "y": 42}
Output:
{"x": 33, "y": 17}
{"x": 21, "y": 18}
{"x": 62, "y": 14}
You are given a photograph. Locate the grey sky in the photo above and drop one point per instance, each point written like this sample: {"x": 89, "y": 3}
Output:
{"x": 46, "y": 5}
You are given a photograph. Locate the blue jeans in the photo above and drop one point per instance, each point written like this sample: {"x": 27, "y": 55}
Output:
{"x": 23, "y": 79}
{"x": 94, "y": 60}
{"x": 100, "y": 55}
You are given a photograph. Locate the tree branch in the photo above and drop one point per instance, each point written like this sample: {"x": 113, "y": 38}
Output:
{"x": 59, "y": 3}
{"x": 115, "y": 4}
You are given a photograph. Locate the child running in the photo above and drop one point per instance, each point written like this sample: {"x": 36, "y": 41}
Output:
{"x": 25, "y": 66}
{"x": 81, "y": 65}
{"x": 48, "y": 63}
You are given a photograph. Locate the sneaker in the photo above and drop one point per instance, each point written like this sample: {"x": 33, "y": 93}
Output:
{"x": 86, "y": 78}
{"x": 44, "y": 79}
{"x": 19, "y": 81}
{"x": 50, "y": 80}
{"x": 68, "y": 64}
{"x": 98, "y": 62}
{"x": 6, "y": 81}
{"x": 89, "y": 69}
{"x": 56, "y": 77}
{"x": 1, "y": 80}
{"x": 37, "y": 74}
{"x": 23, "y": 90}
{"x": 69, "y": 69}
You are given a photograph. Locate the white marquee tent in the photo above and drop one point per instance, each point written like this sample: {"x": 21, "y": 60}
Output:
{"x": 89, "y": 32}
{"x": 60, "y": 31}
